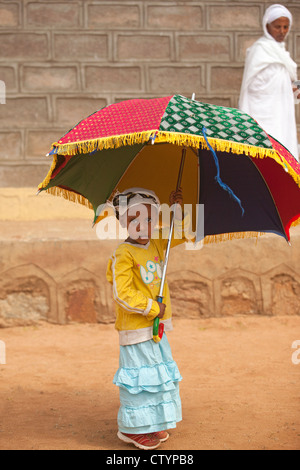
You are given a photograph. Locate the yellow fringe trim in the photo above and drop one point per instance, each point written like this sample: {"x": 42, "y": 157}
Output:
{"x": 48, "y": 177}
{"x": 88, "y": 146}
{"x": 70, "y": 196}
{"x": 220, "y": 145}
{"x": 295, "y": 223}
{"x": 224, "y": 237}
{"x": 190, "y": 140}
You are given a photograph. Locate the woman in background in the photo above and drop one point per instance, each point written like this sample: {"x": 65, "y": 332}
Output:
{"x": 268, "y": 92}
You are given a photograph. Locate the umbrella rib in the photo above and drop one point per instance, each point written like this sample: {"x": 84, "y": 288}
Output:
{"x": 126, "y": 171}
{"x": 270, "y": 192}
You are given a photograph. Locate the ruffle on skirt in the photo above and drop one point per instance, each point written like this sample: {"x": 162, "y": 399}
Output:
{"x": 148, "y": 380}
{"x": 153, "y": 379}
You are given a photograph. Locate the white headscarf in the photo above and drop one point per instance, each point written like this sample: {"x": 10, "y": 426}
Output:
{"x": 273, "y": 13}
{"x": 266, "y": 50}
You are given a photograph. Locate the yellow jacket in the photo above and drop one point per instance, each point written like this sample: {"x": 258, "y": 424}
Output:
{"x": 135, "y": 272}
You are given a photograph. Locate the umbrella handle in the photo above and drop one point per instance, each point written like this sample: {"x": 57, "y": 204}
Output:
{"x": 158, "y": 328}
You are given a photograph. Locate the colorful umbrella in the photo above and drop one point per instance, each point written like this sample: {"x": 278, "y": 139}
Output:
{"x": 112, "y": 150}
{"x": 250, "y": 185}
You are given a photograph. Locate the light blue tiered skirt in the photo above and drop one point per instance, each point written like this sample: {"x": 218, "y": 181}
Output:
{"x": 148, "y": 381}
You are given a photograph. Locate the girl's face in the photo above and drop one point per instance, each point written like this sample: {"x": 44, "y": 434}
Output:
{"x": 141, "y": 221}
{"x": 279, "y": 28}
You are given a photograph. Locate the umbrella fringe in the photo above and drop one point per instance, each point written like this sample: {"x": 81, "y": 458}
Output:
{"x": 224, "y": 237}
{"x": 190, "y": 140}
{"x": 220, "y": 145}
{"x": 46, "y": 181}
{"x": 75, "y": 148}
{"x": 209, "y": 239}
{"x": 89, "y": 146}
{"x": 296, "y": 222}
{"x": 70, "y": 196}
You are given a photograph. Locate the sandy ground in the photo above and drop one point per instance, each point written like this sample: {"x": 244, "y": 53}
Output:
{"x": 240, "y": 388}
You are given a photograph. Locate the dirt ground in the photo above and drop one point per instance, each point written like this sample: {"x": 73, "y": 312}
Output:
{"x": 240, "y": 387}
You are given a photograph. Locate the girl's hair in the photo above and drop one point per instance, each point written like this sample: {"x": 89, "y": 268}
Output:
{"x": 128, "y": 196}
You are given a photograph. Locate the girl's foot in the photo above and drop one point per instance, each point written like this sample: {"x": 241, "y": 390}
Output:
{"x": 142, "y": 441}
{"x": 161, "y": 435}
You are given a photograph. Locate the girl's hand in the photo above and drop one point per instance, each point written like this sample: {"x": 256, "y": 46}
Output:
{"x": 162, "y": 308}
{"x": 176, "y": 197}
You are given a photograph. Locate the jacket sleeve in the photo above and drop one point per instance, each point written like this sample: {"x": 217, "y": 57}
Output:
{"x": 120, "y": 274}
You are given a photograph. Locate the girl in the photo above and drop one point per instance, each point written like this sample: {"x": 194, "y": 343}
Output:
{"x": 148, "y": 378}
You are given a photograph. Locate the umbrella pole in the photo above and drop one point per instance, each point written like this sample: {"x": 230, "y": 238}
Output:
{"x": 158, "y": 328}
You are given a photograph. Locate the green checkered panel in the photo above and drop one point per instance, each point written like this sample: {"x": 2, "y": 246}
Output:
{"x": 188, "y": 117}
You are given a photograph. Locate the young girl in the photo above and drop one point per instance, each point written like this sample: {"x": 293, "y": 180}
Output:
{"x": 148, "y": 378}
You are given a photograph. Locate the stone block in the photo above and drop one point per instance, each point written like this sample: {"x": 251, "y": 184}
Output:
{"x": 191, "y": 293}
{"x": 38, "y": 142}
{"x": 21, "y": 112}
{"x": 226, "y": 79}
{"x": 238, "y": 293}
{"x": 178, "y": 79}
{"x": 107, "y": 79}
{"x": 10, "y": 146}
{"x": 24, "y": 46}
{"x": 143, "y": 47}
{"x": 281, "y": 291}
{"x": 200, "y": 47}
{"x": 110, "y": 16}
{"x": 217, "y": 100}
{"x": 80, "y": 46}
{"x": 27, "y": 296}
{"x": 295, "y": 11}
{"x": 297, "y": 48}
{"x": 53, "y": 15}
{"x": 19, "y": 205}
{"x": 9, "y": 15}
{"x": 22, "y": 175}
{"x": 71, "y": 110}
{"x": 244, "y": 41}
{"x": 83, "y": 299}
{"x": 175, "y": 17}
{"x": 234, "y": 17}
{"x": 49, "y": 78}
{"x": 8, "y": 75}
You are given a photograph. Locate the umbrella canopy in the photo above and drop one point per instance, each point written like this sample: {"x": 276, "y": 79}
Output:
{"x": 135, "y": 144}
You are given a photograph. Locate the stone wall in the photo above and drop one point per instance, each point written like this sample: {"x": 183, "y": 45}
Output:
{"x": 56, "y": 271}
{"x": 62, "y": 60}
